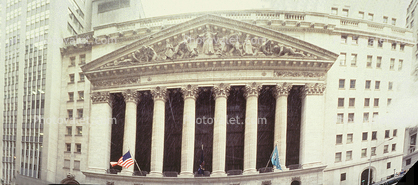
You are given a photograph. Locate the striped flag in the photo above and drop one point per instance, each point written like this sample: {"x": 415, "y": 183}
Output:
{"x": 126, "y": 160}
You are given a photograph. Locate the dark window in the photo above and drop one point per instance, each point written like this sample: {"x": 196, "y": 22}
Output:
{"x": 393, "y": 147}
{"x": 408, "y": 161}
{"x": 388, "y": 165}
{"x": 374, "y": 135}
{"x": 351, "y": 102}
{"x": 387, "y": 133}
{"x": 366, "y": 102}
{"x": 341, "y": 83}
{"x": 343, "y": 176}
{"x": 68, "y": 145}
{"x": 395, "y": 131}
{"x": 339, "y": 139}
{"x": 113, "y": 5}
{"x": 364, "y": 136}
{"x": 340, "y": 102}
{"x": 352, "y": 84}
{"x": 367, "y": 86}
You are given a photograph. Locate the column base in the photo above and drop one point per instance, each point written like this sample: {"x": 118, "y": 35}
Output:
{"x": 126, "y": 173}
{"x": 186, "y": 175}
{"x": 155, "y": 174}
{"x": 250, "y": 171}
{"x": 218, "y": 174}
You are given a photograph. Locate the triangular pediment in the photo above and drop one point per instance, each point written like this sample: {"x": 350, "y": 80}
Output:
{"x": 210, "y": 37}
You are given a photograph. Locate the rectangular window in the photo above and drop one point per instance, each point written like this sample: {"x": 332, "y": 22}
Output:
{"x": 339, "y": 139}
{"x": 353, "y": 59}
{"x": 393, "y": 21}
{"x": 375, "y": 116}
{"x": 338, "y": 157}
{"x": 82, "y": 59}
{"x": 374, "y": 135}
{"x": 392, "y": 64}
{"x": 361, "y": 15}
{"x": 334, "y": 11}
{"x": 70, "y": 96}
{"x": 352, "y": 84}
{"x": 389, "y": 101}
{"x": 376, "y": 102}
{"x": 71, "y": 78}
{"x": 380, "y": 43}
{"x": 350, "y": 117}
{"x": 68, "y": 147}
{"x": 402, "y": 47}
{"x": 340, "y": 102}
{"x": 348, "y": 155}
{"x": 70, "y": 114}
{"x": 385, "y": 19}
{"x": 390, "y": 86}
{"x": 76, "y": 165}
{"x": 345, "y": 13}
{"x": 81, "y": 76}
{"x": 79, "y": 130}
{"x": 377, "y": 85}
{"x": 354, "y": 40}
{"x": 351, "y": 102}
{"x": 72, "y": 61}
{"x": 342, "y": 59}
{"x": 373, "y": 151}
{"x": 408, "y": 161}
{"x": 340, "y": 118}
{"x": 343, "y": 39}
{"x": 400, "y": 65}
{"x": 78, "y": 147}
{"x": 80, "y": 113}
{"x": 364, "y": 152}
{"x": 370, "y": 17}
{"x": 370, "y": 42}
{"x": 349, "y": 138}
{"x": 66, "y": 163}
{"x": 69, "y": 131}
{"x": 369, "y": 61}
{"x": 364, "y": 136}
{"x": 378, "y": 62}
{"x": 387, "y": 133}
{"x": 341, "y": 83}
{"x": 393, "y": 46}
{"x": 393, "y": 147}
{"x": 388, "y": 165}
{"x": 386, "y": 149}
{"x": 366, "y": 117}
{"x": 80, "y": 95}
{"x": 343, "y": 176}
{"x": 367, "y": 85}
{"x": 395, "y": 131}
{"x": 366, "y": 102}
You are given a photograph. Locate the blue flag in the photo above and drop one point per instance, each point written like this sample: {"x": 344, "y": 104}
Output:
{"x": 275, "y": 158}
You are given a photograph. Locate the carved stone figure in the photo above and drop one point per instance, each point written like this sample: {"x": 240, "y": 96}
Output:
{"x": 222, "y": 48}
{"x": 248, "y": 47}
{"x": 169, "y": 50}
{"x": 265, "y": 47}
{"x": 145, "y": 54}
{"x": 183, "y": 50}
{"x": 234, "y": 44}
{"x": 208, "y": 38}
{"x": 284, "y": 50}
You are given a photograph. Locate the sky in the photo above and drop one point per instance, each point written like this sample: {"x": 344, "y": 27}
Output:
{"x": 166, "y": 7}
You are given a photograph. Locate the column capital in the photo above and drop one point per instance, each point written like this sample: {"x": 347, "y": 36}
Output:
{"x": 221, "y": 90}
{"x": 313, "y": 89}
{"x": 282, "y": 89}
{"x": 131, "y": 96}
{"x": 190, "y": 91}
{"x": 252, "y": 89}
{"x": 159, "y": 93}
{"x": 101, "y": 97}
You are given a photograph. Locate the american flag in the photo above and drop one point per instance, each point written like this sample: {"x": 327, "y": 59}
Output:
{"x": 126, "y": 160}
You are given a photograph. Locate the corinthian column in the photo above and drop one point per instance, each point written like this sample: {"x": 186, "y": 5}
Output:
{"x": 221, "y": 93}
{"x": 129, "y": 137}
{"x": 281, "y": 92}
{"x": 251, "y": 122}
{"x": 159, "y": 95}
{"x": 312, "y": 124}
{"x": 100, "y": 132}
{"x": 190, "y": 94}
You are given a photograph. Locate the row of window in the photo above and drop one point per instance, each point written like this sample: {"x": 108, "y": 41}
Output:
{"x": 82, "y": 59}
{"x": 77, "y": 147}
{"x": 370, "y": 42}
{"x": 349, "y": 154}
{"x": 339, "y": 137}
{"x": 369, "y": 61}
{"x": 71, "y": 115}
{"x": 366, "y": 117}
{"x": 80, "y": 76}
{"x": 67, "y": 164}
{"x": 79, "y": 130}
{"x": 367, "y": 84}
{"x": 370, "y": 16}
{"x": 352, "y": 102}
{"x": 80, "y": 96}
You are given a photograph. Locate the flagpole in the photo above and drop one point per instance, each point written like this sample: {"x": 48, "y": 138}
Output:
{"x": 270, "y": 156}
{"x": 135, "y": 162}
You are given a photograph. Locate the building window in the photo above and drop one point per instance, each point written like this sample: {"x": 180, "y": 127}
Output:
{"x": 343, "y": 39}
{"x": 373, "y": 151}
{"x": 370, "y": 17}
{"x": 361, "y": 15}
{"x": 340, "y": 102}
{"x": 353, "y": 59}
{"x": 393, "y": 147}
{"x": 390, "y": 86}
{"x": 351, "y": 102}
{"x": 393, "y": 21}
{"x": 68, "y": 146}
{"x": 70, "y": 114}
{"x": 350, "y": 117}
{"x": 354, "y": 40}
{"x": 80, "y": 113}
{"x": 402, "y": 47}
{"x": 393, "y": 45}
{"x": 349, "y": 138}
{"x": 78, "y": 147}
{"x": 386, "y": 149}
{"x": 366, "y": 117}
{"x": 377, "y": 85}
{"x": 364, "y": 136}
{"x": 370, "y": 42}
{"x": 408, "y": 161}
{"x": 334, "y": 11}
{"x": 374, "y": 135}
{"x": 76, "y": 165}
{"x": 343, "y": 176}
{"x": 395, "y": 132}
{"x": 379, "y": 62}
{"x": 342, "y": 59}
{"x": 389, "y": 101}
{"x": 82, "y": 59}
{"x": 339, "y": 139}
{"x": 385, "y": 19}
{"x": 341, "y": 83}
{"x": 348, "y": 155}
{"x": 380, "y": 43}
{"x": 367, "y": 85}
{"x": 81, "y": 76}
{"x": 400, "y": 65}
{"x": 79, "y": 130}
{"x": 69, "y": 131}
{"x": 364, "y": 152}
{"x": 392, "y": 64}
{"x": 366, "y": 102}
{"x": 345, "y": 13}
{"x": 72, "y": 61}
{"x": 71, "y": 78}
{"x": 376, "y": 102}
{"x": 66, "y": 164}
{"x": 388, "y": 165}
{"x": 338, "y": 157}
{"x": 352, "y": 84}
{"x": 369, "y": 61}
{"x": 80, "y": 95}
{"x": 375, "y": 116}
{"x": 387, "y": 133}
{"x": 70, "y": 96}
{"x": 340, "y": 118}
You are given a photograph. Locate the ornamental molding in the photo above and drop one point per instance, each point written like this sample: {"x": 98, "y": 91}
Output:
{"x": 159, "y": 93}
{"x": 282, "y": 89}
{"x": 252, "y": 89}
{"x": 313, "y": 89}
{"x": 109, "y": 82}
{"x": 101, "y": 97}
{"x": 221, "y": 90}
{"x": 190, "y": 91}
{"x": 131, "y": 96}
{"x": 299, "y": 74}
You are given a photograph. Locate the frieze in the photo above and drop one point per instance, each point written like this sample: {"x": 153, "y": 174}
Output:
{"x": 117, "y": 82}
{"x": 299, "y": 74}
